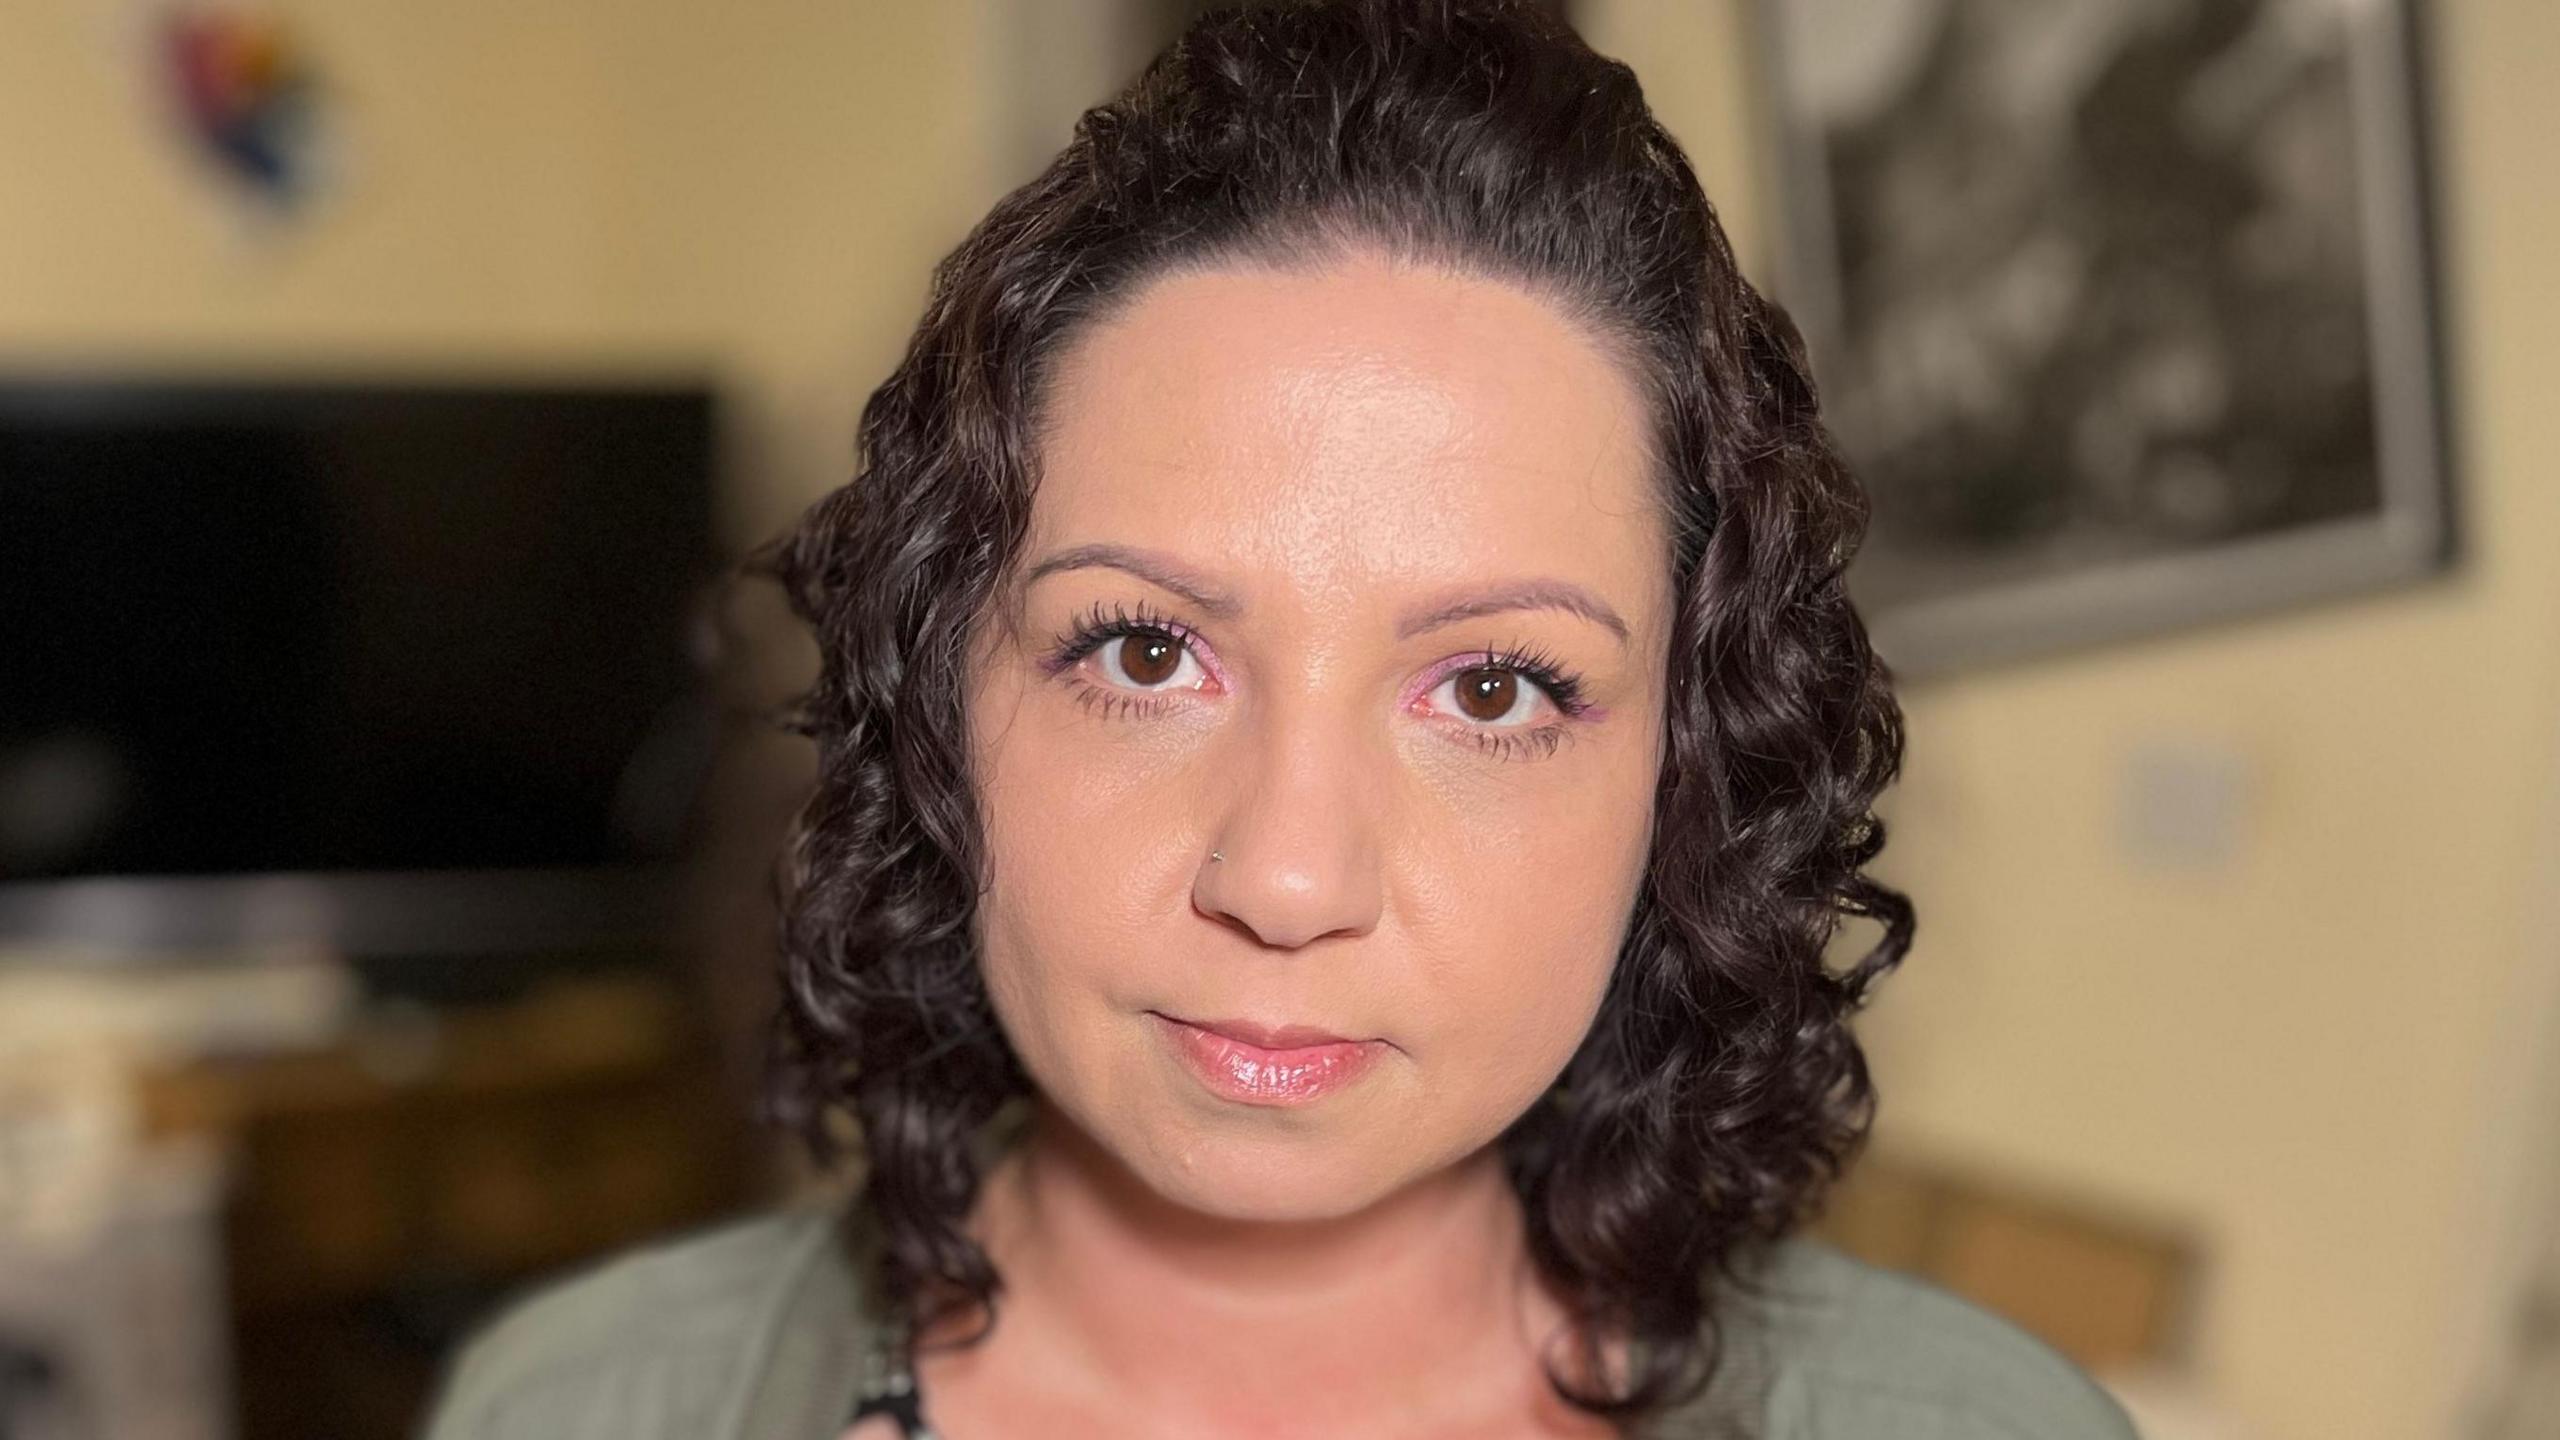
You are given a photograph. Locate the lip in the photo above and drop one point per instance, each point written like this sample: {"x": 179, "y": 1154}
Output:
{"x": 1267, "y": 1037}
{"x": 1273, "y": 1065}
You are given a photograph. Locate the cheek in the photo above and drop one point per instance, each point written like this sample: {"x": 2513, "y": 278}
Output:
{"x": 1070, "y": 848}
{"x": 1077, "y": 848}
{"x": 1040, "y": 939}
{"x": 1546, "y": 937}
{"x": 1529, "y": 913}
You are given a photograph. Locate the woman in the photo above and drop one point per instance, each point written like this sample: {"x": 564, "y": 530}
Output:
{"x": 1342, "y": 744}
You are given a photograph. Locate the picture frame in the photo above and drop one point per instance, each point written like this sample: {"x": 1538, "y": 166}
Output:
{"x": 2123, "y": 311}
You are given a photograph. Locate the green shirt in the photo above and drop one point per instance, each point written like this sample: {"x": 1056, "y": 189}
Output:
{"x": 759, "y": 1331}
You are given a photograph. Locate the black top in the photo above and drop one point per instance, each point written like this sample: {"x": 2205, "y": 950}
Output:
{"x": 899, "y": 1397}
{"x": 889, "y": 1385}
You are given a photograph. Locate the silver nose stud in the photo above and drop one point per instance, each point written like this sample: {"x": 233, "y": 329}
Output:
{"x": 1217, "y": 855}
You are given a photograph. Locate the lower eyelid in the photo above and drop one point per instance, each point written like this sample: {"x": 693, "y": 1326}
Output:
{"x": 1505, "y": 741}
{"x": 1102, "y": 699}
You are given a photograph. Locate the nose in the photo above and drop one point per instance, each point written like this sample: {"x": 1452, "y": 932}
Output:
{"x": 1299, "y": 833}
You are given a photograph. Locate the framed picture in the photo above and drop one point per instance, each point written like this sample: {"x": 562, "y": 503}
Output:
{"x": 2122, "y": 309}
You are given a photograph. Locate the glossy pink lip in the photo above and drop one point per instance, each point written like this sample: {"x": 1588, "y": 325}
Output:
{"x": 1270, "y": 1037}
{"x": 1254, "y": 1064}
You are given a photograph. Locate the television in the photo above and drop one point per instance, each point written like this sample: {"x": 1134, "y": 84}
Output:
{"x": 397, "y": 668}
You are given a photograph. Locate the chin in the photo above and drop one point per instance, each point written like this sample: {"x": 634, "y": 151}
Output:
{"x": 1263, "y": 1180}
{"x": 1243, "y": 1164}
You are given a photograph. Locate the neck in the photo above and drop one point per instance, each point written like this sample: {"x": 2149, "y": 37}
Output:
{"x": 1394, "y": 1310}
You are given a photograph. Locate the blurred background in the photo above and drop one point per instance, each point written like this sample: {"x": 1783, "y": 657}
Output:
{"x": 387, "y": 819}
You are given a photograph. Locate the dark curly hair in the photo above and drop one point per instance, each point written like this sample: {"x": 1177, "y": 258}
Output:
{"x": 1720, "y": 1090}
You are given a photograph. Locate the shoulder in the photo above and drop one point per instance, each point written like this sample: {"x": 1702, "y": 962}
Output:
{"x": 657, "y": 1341}
{"x": 1852, "y": 1351}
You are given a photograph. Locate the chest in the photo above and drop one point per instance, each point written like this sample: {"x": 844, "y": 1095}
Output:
{"x": 966, "y": 1409}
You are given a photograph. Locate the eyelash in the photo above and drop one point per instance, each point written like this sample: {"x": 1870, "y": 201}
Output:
{"x": 1098, "y": 626}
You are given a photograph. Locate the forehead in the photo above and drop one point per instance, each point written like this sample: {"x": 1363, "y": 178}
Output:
{"x": 1362, "y": 423}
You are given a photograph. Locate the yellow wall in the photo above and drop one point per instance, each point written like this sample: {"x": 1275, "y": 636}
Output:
{"x": 753, "y": 189}
{"x": 2314, "y": 1055}
{"x": 477, "y": 146}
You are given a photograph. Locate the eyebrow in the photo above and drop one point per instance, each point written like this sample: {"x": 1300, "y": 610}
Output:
{"x": 1204, "y": 594}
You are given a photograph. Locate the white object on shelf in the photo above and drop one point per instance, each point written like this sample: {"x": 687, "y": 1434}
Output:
{"x": 133, "y": 1322}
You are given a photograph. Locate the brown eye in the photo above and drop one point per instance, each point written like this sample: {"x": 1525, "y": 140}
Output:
{"x": 1487, "y": 695}
{"x": 1150, "y": 659}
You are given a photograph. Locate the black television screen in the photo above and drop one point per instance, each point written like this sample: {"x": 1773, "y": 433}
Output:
{"x": 349, "y": 629}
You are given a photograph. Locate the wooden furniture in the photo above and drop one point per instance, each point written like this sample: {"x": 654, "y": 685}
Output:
{"x": 2111, "y": 1290}
{"x": 391, "y": 1187}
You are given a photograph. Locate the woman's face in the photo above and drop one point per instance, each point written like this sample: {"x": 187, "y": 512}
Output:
{"x": 1301, "y": 509}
